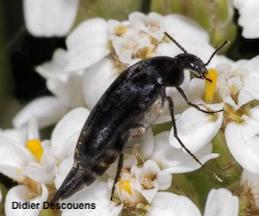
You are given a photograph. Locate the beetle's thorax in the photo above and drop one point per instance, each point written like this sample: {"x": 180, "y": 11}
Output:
{"x": 168, "y": 71}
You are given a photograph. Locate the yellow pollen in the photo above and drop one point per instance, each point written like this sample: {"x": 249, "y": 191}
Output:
{"x": 125, "y": 185}
{"x": 210, "y": 87}
{"x": 120, "y": 30}
{"x": 34, "y": 146}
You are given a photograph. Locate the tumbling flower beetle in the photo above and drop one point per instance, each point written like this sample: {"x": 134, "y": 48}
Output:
{"x": 127, "y": 108}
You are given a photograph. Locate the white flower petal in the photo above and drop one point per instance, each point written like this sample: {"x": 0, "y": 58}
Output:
{"x": 49, "y": 18}
{"x": 70, "y": 124}
{"x": 164, "y": 180}
{"x": 180, "y": 28}
{"x": 250, "y": 178}
{"x": 174, "y": 160}
{"x": 55, "y": 67}
{"x": 181, "y": 25}
{"x": 145, "y": 184}
{"x": 249, "y": 18}
{"x": 33, "y": 131}
{"x": 13, "y": 159}
{"x": 221, "y": 202}
{"x": 22, "y": 194}
{"x": 195, "y": 128}
{"x": 98, "y": 193}
{"x": 44, "y": 171}
{"x": 41, "y": 174}
{"x": 153, "y": 23}
{"x": 150, "y": 166}
{"x": 69, "y": 92}
{"x": 148, "y": 194}
{"x": 97, "y": 79}
{"x": 169, "y": 204}
{"x": 18, "y": 136}
{"x": 46, "y": 110}
{"x": 195, "y": 90}
{"x": 250, "y": 89}
{"x": 242, "y": 140}
{"x": 87, "y": 44}
{"x": 62, "y": 171}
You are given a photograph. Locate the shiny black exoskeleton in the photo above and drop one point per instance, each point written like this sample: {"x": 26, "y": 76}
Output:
{"x": 121, "y": 112}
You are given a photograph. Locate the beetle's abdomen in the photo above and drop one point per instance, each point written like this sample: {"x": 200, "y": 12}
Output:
{"x": 84, "y": 173}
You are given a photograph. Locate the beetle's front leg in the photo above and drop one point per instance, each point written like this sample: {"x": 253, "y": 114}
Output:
{"x": 171, "y": 108}
{"x": 195, "y": 105}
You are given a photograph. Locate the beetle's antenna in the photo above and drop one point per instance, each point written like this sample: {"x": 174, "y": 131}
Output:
{"x": 217, "y": 50}
{"x": 175, "y": 42}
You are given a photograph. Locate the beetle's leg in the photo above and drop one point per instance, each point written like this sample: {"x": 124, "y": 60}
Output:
{"x": 195, "y": 105}
{"x": 120, "y": 164}
{"x": 171, "y": 108}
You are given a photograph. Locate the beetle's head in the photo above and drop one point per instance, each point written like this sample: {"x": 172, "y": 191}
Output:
{"x": 193, "y": 63}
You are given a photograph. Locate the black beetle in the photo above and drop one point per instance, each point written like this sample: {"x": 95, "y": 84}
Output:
{"x": 126, "y": 109}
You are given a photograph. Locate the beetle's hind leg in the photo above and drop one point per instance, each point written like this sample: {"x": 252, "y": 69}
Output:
{"x": 195, "y": 105}
{"x": 171, "y": 108}
{"x": 117, "y": 176}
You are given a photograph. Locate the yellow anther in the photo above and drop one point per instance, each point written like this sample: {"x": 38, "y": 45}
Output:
{"x": 34, "y": 146}
{"x": 210, "y": 85}
{"x": 125, "y": 185}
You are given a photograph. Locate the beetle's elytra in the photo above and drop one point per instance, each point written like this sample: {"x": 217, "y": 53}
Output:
{"x": 126, "y": 109}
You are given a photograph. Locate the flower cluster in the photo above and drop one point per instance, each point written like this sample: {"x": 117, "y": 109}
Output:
{"x": 97, "y": 52}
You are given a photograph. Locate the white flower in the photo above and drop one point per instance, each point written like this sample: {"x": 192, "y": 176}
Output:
{"x": 150, "y": 179}
{"x": 87, "y": 44}
{"x": 35, "y": 163}
{"x": 97, "y": 79}
{"x": 67, "y": 130}
{"x": 132, "y": 46}
{"x": 169, "y": 204}
{"x": 175, "y": 160}
{"x": 140, "y": 183}
{"x": 196, "y": 130}
{"x": 63, "y": 141}
{"x": 126, "y": 190}
{"x": 26, "y": 157}
{"x": 64, "y": 74}
{"x": 249, "y": 18}
{"x": 99, "y": 195}
{"x": 49, "y": 18}
{"x": 153, "y": 23}
{"x": 46, "y": 110}
{"x": 221, "y": 202}
{"x": 237, "y": 82}
{"x": 67, "y": 86}
{"x": 242, "y": 140}
{"x": 237, "y": 85}
{"x": 22, "y": 194}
